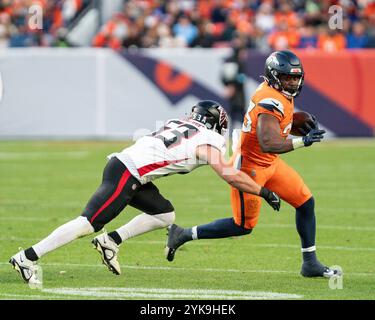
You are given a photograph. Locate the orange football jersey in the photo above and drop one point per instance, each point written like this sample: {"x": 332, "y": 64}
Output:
{"x": 265, "y": 100}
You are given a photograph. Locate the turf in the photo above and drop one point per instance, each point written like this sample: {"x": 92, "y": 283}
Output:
{"x": 44, "y": 184}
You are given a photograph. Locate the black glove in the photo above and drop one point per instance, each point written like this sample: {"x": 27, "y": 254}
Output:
{"x": 308, "y": 126}
{"x": 271, "y": 197}
{"x": 315, "y": 135}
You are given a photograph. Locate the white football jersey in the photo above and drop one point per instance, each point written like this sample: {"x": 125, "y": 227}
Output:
{"x": 170, "y": 150}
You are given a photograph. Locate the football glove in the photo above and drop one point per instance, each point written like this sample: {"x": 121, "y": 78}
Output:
{"x": 271, "y": 197}
{"x": 315, "y": 135}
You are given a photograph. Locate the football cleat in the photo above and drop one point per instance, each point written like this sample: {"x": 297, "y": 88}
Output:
{"x": 108, "y": 250}
{"x": 316, "y": 269}
{"x": 27, "y": 269}
{"x": 174, "y": 241}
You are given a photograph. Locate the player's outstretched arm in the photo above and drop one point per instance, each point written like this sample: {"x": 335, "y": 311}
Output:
{"x": 270, "y": 140}
{"x": 236, "y": 178}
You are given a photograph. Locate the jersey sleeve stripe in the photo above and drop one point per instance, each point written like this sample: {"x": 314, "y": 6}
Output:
{"x": 272, "y": 103}
{"x": 269, "y": 107}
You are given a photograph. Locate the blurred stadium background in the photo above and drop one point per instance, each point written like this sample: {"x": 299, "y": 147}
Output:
{"x": 85, "y": 72}
{"x": 112, "y": 70}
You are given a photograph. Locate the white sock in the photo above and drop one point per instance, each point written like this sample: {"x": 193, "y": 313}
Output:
{"x": 144, "y": 223}
{"x": 64, "y": 234}
{"x": 194, "y": 233}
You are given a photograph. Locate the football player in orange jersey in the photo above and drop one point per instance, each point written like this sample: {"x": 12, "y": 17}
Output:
{"x": 266, "y": 126}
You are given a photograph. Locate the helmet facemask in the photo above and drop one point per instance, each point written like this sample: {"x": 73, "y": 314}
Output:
{"x": 289, "y": 90}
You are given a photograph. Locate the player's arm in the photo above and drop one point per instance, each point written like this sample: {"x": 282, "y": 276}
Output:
{"x": 268, "y": 133}
{"x": 270, "y": 140}
{"x": 236, "y": 178}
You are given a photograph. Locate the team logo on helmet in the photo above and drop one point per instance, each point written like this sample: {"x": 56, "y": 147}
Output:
{"x": 272, "y": 58}
{"x": 223, "y": 119}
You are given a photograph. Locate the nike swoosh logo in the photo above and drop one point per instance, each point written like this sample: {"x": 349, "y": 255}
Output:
{"x": 274, "y": 103}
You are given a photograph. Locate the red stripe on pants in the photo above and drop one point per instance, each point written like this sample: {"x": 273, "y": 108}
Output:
{"x": 120, "y": 186}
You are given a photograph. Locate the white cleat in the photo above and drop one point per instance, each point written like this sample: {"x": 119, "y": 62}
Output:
{"x": 27, "y": 269}
{"x": 108, "y": 250}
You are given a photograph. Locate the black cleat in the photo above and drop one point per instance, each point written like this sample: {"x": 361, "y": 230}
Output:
{"x": 316, "y": 269}
{"x": 174, "y": 241}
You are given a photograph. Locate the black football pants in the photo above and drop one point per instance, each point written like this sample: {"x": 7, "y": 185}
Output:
{"x": 119, "y": 189}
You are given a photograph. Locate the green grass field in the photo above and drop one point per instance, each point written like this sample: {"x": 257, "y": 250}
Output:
{"x": 44, "y": 184}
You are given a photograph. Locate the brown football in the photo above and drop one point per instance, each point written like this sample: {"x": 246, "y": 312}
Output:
{"x": 299, "y": 120}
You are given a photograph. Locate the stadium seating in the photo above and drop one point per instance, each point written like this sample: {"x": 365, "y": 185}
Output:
{"x": 260, "y": 24}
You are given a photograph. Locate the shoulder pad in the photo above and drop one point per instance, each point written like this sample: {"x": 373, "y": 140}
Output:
{"x": 271, "y": 104}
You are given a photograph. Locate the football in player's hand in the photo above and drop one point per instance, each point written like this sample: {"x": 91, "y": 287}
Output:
{"x": 303, "y": 122}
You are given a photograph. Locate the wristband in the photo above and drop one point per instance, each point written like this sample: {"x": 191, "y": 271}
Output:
{"x": 263, "y": 192}
{"x": 298, "y": 143}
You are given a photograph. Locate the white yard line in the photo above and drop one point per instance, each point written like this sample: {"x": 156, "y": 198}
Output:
{"x": 199, "y": 243}
{"x": 162, "y": 268}
{"x": 260, "y": 245}
{"x": 166, "y": 293}
{"x": 11, "y": 296}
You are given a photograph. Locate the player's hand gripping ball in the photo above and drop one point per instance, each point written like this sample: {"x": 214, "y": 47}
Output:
{"x": 303, "y": 123}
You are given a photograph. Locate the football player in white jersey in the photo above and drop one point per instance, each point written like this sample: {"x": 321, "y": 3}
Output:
{"x": 178, "y": 147}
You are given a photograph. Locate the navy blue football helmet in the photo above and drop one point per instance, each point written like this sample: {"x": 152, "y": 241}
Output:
{"x": 284, "y": 63}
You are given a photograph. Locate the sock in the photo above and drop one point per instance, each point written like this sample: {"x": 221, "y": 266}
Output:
{"x": 31, "y": 254}
{"x": 306, "y": 227}
{"x": 115, "y": 237}
{"x": 221, "y": 228}
{"x": 62, "y": 235}
{"x": 309, "y": 256}
{"x": 188, "y": 234}
{"x": 144, "y": 223}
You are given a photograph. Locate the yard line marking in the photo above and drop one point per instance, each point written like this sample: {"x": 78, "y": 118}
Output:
{"x": 200, "y": 243}
{"x": 163, "y": 268}
{"x": 15, "y": 296}
{"x": 165, "y": 293}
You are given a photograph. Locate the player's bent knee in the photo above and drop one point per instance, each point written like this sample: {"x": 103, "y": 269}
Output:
{"x": 307, "y": 205}
{"x": 247, "y": 231}
{"x": 242, "y": 230}
{"x": 82, "y": 225}
{"x": 97, "y": 226}
{"x": 168, "y": 207}
{"x": 166, "y": 219}
{"x": 248, "y": 225}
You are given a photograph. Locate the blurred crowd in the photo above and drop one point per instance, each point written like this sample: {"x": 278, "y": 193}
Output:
{"x": 18, "y": 21}
{"x": 261, "y": 24}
